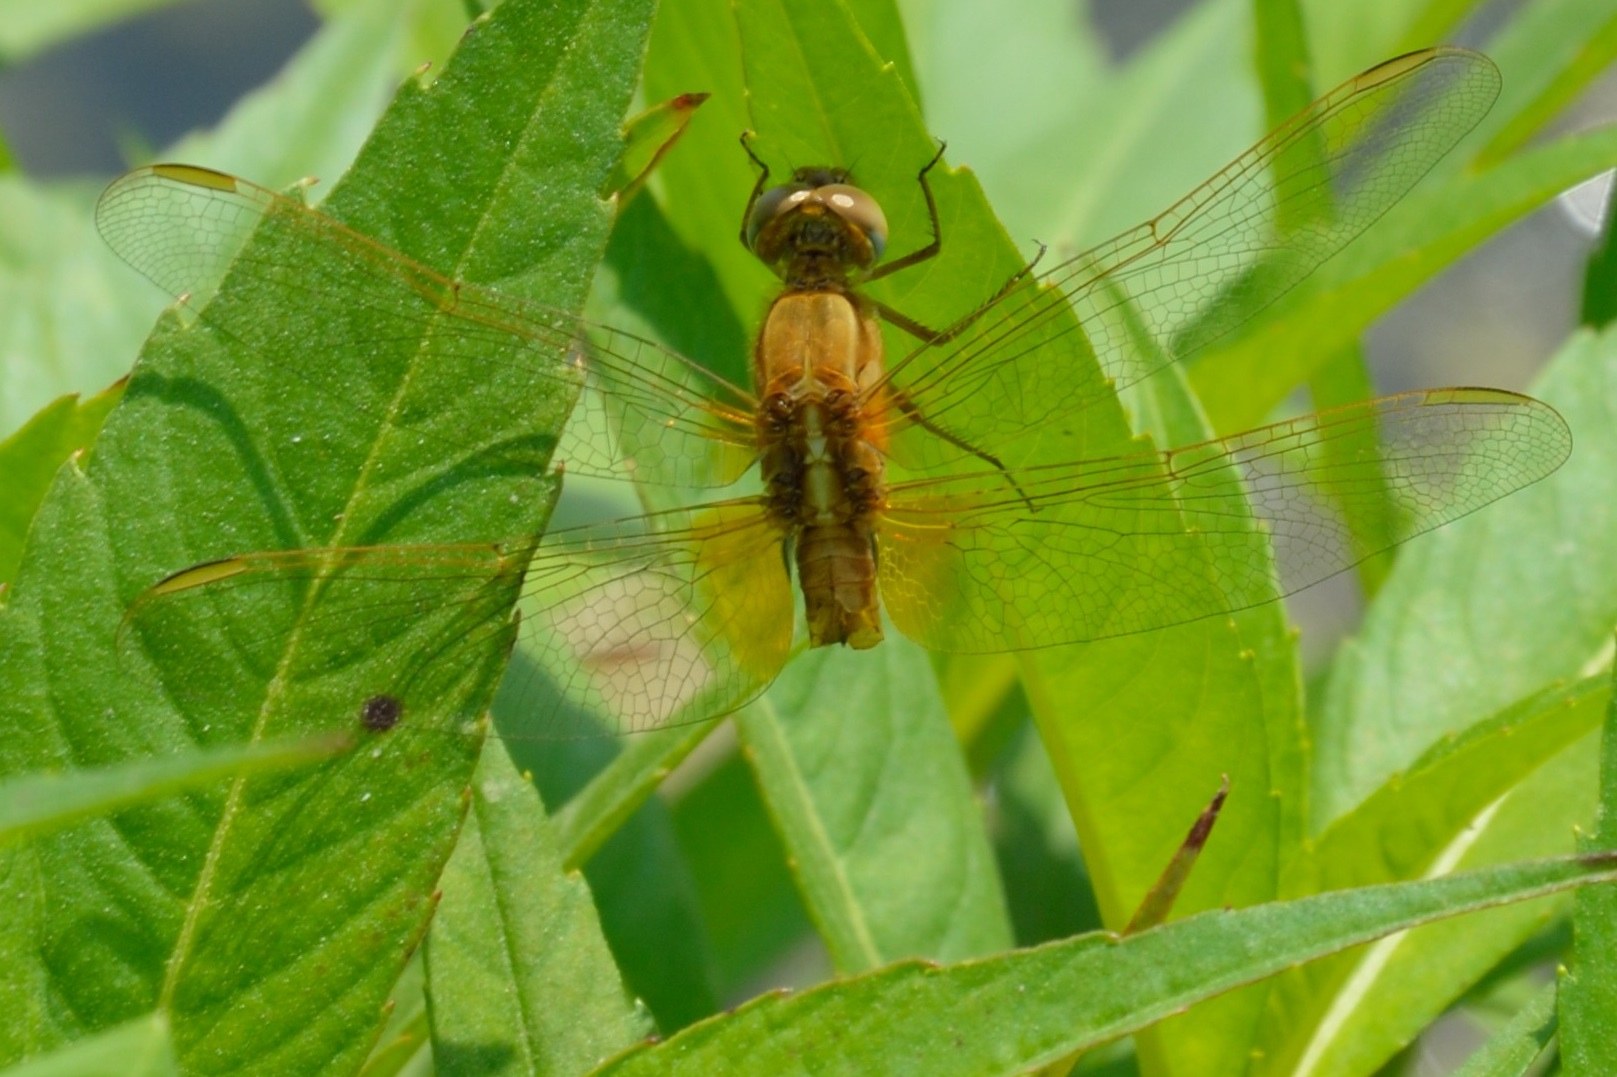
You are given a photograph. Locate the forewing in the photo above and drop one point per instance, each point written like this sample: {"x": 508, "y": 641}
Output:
{"x": 1104, "y": 548}
{"x": 628, "y": 630}
{"x": 644, "y": 412}
{"x": 1166, "y": 290}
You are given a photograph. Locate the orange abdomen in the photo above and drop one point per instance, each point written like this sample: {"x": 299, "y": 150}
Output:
{"x": 822, "y": 466}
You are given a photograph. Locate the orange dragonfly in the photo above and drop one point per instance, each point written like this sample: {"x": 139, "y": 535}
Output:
{"x": 881, "y": 484}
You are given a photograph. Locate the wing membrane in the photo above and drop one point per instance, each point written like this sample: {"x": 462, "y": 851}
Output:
{"x": 1107, "y": 548}
{"x": 645, "y": 412}
{"x": 1162, "y": 292}
{"x": 629, "y": 631}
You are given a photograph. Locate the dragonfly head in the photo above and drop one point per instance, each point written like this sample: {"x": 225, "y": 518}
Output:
{"x": 818, "y": 220}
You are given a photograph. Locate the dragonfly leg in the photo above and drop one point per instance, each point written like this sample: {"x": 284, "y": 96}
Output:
{"x": 901, "y": 400}
{"x": 757, "y": 188}
{"x": 916, "y": 257}
{"x": 928, "y": 335}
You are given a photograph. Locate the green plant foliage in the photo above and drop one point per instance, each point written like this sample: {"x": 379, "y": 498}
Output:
{"x": 521, "y": 978}
{"x": 198, "y": 884}
{"x": 1033, "y": 1007}
{"x": 139, "y": 1048}
{"x": 854, "y": 832}
{"x": 1588, "y": 999}
{"x": 31, "y": 456}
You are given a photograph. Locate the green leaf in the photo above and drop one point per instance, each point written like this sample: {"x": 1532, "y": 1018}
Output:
{"x": 704, "y": 187}
{"x": 1281, "y": 56}
{"x": 1046, "y": 881}
{"x": 519, "y": 977}
{"x": 217, "y": 909}
{"x": 33, "y": 805}
{"x": 1399, "y": 985}
{"x": 29, "y": 458}
{"x": 1588, "y": 1000}
{"x": 139, "y": 1048}
{"x": 1515, "y": 1050}
{"x": 871, "y": 798}
{"x": 1009, "y": 1013}
{"x": 1102, "y": 167}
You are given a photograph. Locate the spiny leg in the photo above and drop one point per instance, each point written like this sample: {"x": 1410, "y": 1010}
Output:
{"x": 903, "y": 403}
{"x": 931, "y": 250}
{"x": 757, "y": 187}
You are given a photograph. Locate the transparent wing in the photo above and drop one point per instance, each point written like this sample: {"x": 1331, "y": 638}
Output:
{"x": 629, "y": 631}
{"x": 187, "y": 229}
{"x": 1111, "y": 547}
{"x": 1163, "y": 291}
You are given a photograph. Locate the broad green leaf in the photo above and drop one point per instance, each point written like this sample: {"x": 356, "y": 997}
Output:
{"x": 29, "y": 457}
{"x": 645, "y": 888}
{"x": 1515, "y": 1050}
{"x": 610, "y": 825}
{"x": 860, "y": 770}
{"x": 519, "y": 977}
{"x": 139, "y": 1048}
{"x": 1399, "y": 830}
{"x": 32, "y": 805}
{"x": 221, "y": 905}
{"x": 882, "y": 24}
{"x": 1466, "y": 624}
{"x": 1185, "y": 706}
{"x": 1588, "y": 999}
{"x": 1015, "y": 1011}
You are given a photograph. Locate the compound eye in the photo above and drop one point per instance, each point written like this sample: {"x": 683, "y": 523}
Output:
{"x": 858, "y": 209}
{"x": 773, "y": 203}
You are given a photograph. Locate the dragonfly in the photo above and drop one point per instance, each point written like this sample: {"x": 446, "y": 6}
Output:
{"x": 847, "y": 488}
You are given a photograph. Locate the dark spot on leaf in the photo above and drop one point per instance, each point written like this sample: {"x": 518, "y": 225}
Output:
{"x": 381, "y": 713}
